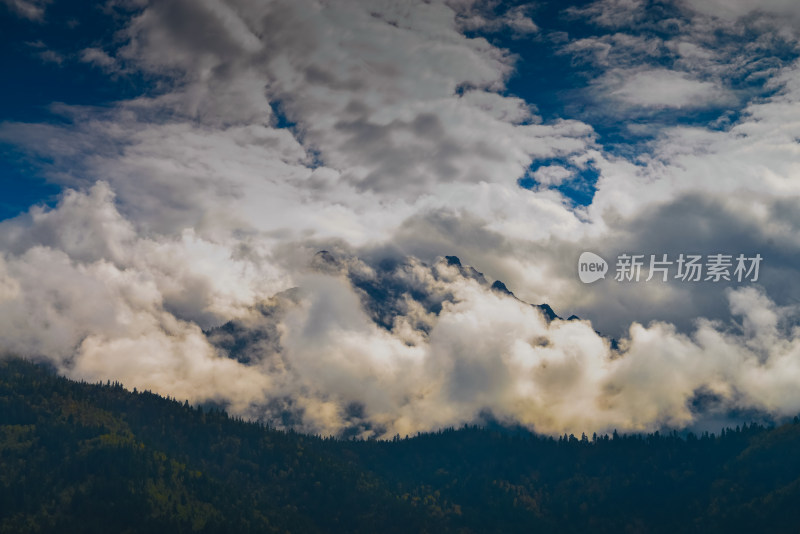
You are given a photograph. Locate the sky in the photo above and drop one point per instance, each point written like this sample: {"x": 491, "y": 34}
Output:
{"x": 299, "y": 210}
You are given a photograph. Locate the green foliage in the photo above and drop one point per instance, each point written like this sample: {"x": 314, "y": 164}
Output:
{"x": 76, "y": 457}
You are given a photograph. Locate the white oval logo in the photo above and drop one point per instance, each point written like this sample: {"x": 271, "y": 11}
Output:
{"x": 591, "y": 267}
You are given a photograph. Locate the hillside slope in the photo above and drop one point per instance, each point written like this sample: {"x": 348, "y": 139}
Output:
{"x": 78, "y": 457}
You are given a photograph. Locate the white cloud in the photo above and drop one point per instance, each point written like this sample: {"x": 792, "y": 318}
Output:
{"x": 551, "y": 175}
{"x": 662, "y": 88}
{"x": 387, "y": 117}
{"x": 81, "y": 289}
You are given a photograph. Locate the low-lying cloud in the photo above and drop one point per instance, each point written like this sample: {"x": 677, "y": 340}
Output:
{"x": 369, "y": 349}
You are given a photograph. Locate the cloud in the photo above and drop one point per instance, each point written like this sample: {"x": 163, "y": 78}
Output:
{"x": 28, "y": 9}
{"x": 482, "y": 16}
{"x": 99, "y": 57}
{"x": 551, "y": 175}
{"x": 616, "y": 50}
{"x": 659, "y": 62}
{"x": 388, "y": 117}
{"x": 46, "y": 54}
{"x": 183, "y": 253}
{"x": 367, "y": 348}
{"x": 612, "y": 13}
{"x": 662, "y": 88}
{"x": 741, "y": 8}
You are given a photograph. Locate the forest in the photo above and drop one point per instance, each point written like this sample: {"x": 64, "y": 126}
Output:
{"x": 79, "y": 457}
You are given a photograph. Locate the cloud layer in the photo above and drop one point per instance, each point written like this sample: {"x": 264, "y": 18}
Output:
{"x": 184, "y": 253}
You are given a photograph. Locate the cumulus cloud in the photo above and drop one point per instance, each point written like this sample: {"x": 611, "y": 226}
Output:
{"x": 487, "y": 353}
{"x": 366, "y": 349}
{"x": 387, "y": 116}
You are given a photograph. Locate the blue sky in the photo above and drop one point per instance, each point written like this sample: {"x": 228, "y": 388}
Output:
{"x": 42, "y": 55}
{"x": 170, "y": 167}
{"x": 46, "y": 58}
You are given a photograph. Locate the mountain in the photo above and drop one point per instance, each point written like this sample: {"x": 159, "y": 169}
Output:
{"x": 389, "y": 288}
{"x": 78, "y": 457}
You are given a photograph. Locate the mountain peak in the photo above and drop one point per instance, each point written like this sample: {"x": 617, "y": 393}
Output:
{"x": 501, "y": 288}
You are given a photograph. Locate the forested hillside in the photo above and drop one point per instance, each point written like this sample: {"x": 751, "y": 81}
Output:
{"x": 78, "y": 457}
